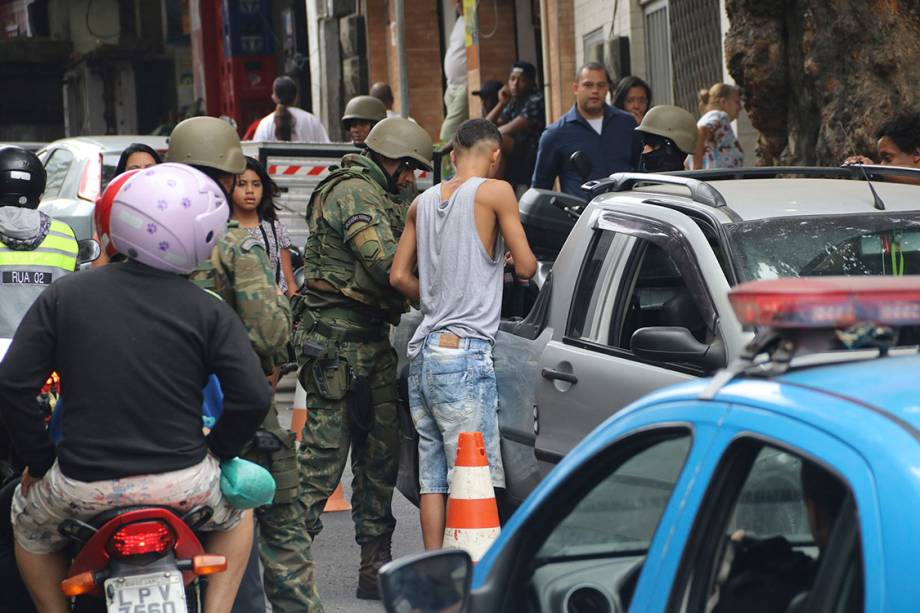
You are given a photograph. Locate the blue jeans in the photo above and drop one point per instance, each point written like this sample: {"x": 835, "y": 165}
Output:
{"x": 452, "y": 390}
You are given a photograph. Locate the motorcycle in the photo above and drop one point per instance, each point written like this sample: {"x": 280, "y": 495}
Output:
{"x": 143, "y": 559}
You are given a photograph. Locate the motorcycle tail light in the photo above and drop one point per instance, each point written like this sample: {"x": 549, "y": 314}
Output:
{"x": 78, "y": 585}
{"x": 208, "y": 564}
{"x": 141, "y": 538}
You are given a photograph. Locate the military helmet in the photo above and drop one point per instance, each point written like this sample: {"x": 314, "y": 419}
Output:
{"x": 208, "y": 142}
{"x": 22, "y": 177}
{"x": 366, "y": 108}
{"x": 671, "y": 122}
{"x": 397, "y": 138}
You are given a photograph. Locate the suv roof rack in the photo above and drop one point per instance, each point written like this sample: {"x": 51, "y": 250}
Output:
{"x": 854, "y": 171}
{"x": 700, "y": 191}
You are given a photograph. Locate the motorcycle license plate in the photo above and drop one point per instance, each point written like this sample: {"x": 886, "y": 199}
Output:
{"x": 161, "y": 592}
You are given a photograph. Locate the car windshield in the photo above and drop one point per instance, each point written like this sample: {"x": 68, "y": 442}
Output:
{"x": 809, "y": 246}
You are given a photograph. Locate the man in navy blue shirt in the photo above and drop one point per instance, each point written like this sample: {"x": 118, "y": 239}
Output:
{"x": 606, "y": 134}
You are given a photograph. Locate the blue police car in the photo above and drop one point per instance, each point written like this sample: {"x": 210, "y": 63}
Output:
{"x": 788, "y": 482}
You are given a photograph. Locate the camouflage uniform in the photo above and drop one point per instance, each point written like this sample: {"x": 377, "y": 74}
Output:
{"x": 406, "y": 195}
{"x": 239, "y": 272}
{"x": 354, "y": 226}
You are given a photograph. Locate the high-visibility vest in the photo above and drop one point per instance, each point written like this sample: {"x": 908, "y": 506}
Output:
{"x": 24, "y": 274}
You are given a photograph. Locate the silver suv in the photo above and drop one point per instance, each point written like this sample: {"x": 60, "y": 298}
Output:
{"x": 638, "y": 294}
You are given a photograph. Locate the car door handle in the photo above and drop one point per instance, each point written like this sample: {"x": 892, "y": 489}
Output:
{"x": 549, "y": 373}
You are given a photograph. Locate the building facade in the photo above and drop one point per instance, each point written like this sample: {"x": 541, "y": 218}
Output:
{"x": 135, "y": 66}
{"x": 677, "y": 46}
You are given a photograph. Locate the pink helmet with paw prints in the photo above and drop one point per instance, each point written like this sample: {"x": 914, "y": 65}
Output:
{"x": 168, "y": 217}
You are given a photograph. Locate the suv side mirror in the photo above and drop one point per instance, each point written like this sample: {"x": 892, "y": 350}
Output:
{"x": 676, "y": 344}
{"x": 430, "y": 581}
{"x": 582, "y": 164}
{"x": 88, "y": 250}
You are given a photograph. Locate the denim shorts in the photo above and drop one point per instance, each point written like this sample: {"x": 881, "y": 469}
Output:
{"x": 452, "y": 390}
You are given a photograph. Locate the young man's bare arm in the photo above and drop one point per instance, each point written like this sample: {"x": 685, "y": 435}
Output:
{"x": 700, "y": 148}
{"x": 402, "y": 277}
{"x": 518, "y": 125}
{"x": 499, "y": 196}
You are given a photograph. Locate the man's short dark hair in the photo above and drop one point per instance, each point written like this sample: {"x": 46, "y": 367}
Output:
{"x": 529, "y": 70}
{"x": 473, "y": 131}
{"x": 903, "y": 129}
{"x": 593, "y": 66}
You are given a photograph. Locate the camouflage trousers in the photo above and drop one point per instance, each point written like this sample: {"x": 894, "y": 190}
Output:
{"x": 327, "y": 436}
{"x": 284, "y": 545}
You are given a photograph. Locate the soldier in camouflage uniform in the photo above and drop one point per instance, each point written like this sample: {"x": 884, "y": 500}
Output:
{"x": 361, "y": 114}
{"x": 347, "y": 364}
{"x": 239, "y": 272}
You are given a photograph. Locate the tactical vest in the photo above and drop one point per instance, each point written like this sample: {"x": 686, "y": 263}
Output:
{"x": 328, "y": 258}
{"x": 24, "y": 274}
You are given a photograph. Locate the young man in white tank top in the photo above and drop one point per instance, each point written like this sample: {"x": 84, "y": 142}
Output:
{"x": 456, "y": 234}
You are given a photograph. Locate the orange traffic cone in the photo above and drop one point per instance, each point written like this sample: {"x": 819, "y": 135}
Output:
{"x": 298, "y": 421}
{"x": 337, "y": 501}
{"x": 472, "y": 514}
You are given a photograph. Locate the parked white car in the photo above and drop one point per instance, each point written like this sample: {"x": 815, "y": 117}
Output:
{"x": 78, "y": 168}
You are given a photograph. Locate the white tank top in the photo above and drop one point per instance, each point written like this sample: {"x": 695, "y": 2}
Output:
{"x": 459, "y": 283}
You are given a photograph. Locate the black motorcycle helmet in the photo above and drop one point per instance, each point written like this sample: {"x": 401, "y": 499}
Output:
{"x": 22, "y": 177}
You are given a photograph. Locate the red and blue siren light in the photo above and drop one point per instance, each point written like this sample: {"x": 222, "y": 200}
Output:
{"x": 828, "y": 302}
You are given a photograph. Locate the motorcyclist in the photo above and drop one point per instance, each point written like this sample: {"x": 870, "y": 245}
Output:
{"x": 669, "y": 134}
{"x": 34, "y": 249}
{"x": 239, "y": 272}
{"x": 134, "y": 381}
{"x": 102, "y": 214}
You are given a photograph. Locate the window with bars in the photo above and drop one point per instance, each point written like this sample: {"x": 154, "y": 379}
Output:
{"x": 658, "y": 51}
{"x": 696, "y": 49}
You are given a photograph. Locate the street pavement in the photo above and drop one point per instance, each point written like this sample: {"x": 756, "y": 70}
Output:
{"x": 335, "y": 552}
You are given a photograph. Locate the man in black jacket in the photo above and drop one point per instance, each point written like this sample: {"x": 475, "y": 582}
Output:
{"x": 134, "y": 344}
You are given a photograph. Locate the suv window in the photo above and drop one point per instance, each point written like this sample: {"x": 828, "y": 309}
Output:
{"x": 657, "y": 295}
{"x": 619, "y": 514}
{"x": 627, "y": 283}
{"x": 57, "y": 166}
{"x": 592, "y": 303}
{"x": 762, "y": 539}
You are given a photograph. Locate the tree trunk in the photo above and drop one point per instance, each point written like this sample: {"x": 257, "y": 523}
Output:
{"x": 819, "y": 76}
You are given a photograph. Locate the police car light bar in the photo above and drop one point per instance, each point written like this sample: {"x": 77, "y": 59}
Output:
{"x": 827, "y": 302}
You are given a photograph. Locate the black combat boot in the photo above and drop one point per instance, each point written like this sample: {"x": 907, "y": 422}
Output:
{"x": 374, "y": 554}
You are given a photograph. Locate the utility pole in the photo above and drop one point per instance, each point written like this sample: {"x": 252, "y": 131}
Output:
{"x": 401, "y": 58}
{"x": 474, "y": 78}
